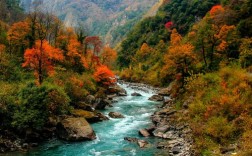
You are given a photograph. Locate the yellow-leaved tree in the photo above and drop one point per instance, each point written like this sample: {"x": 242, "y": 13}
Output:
{"x": 178, "y": 59}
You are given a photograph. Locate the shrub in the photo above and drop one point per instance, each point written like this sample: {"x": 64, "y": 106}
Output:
{"x": 77, "y": 86}
{"x": 8, "y": 98}
{"x": 221, "y": 107}
{"x": 126, "y": 74}
{"x": 74, "y": 88}
{"x": 219, "y": 128}
{"x": 37, "y": 103}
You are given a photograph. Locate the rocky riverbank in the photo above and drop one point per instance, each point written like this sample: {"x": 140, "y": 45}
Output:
{"x": 175, "y": 132}
{"x": 71, "y": 127}
{"x": 168, "y": 124}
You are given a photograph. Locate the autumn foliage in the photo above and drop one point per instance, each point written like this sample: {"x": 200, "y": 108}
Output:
{"x": 104, "y": 76}
{"x": 217, "y": 9}
{"x": 18, "y": 34}
{"x": 108, "y": 56}
{"x": 179, "y": 56}
{"x": 95, "y": 42}
{"x": 221, "y": 106}
{"x": 168, "y": 25}
{"x": 41, "y": 59}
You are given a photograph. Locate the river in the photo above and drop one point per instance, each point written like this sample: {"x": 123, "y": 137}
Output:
{"x": 110, "y": 134}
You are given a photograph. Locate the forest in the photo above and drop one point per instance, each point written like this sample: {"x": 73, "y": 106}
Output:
{"x": 46, "y": 69}
{"x": 201, "y": 49}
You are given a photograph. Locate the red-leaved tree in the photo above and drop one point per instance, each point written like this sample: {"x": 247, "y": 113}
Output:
{"x": 168, "y": 25}
{"x": 104, "y": 76}
{"x": 96, "y": 42}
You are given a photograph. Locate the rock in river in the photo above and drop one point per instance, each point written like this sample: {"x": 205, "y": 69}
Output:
{"x": 116, "y": 89}
{"x": 115, "y": 115}
{"x": 131, "y": 139}
{"x": 136, "y": 94}
{"x": 144, "y": 133}
{"x": 101, "y": 104}
{"x": 75, "y": 129}
{"x": 94, "y": 116}
{"x": 142, "y": 143}
{"x": 156, "y": 98}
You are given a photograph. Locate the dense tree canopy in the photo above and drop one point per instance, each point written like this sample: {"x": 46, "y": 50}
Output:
{"x": 203, "y": 50}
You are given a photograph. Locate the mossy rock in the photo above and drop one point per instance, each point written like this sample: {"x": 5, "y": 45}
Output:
{"x": 89, "y": 116}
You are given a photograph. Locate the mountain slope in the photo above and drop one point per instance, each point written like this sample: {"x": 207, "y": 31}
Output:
{"x": 98, "y": 17}
{"x": 151, "y": 30}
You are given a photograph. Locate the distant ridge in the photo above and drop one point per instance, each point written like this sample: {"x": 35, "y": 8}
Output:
{"x": 111, "y": 19}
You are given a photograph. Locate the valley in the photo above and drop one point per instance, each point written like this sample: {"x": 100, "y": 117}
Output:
{"x": 110, "y": 19}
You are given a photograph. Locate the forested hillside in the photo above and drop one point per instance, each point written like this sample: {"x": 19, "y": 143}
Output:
{"x": 46, "y": 71}
{"x": 54, "y": 77}
{"x": 203, "y": 50}
{"x": 182, "y": 14}
{"x": 110, "y": 19}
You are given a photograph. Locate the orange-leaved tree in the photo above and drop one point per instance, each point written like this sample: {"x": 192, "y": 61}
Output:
{"x": 179, "y": 57}
{"x": 41, "y": 59}
{"x": 104, "y": 76}
{"x": 108, "y": 56}
{"x": 75, "y": 54}
{"x": 143, "y": 53}
{"x": 18, "y": 35}
{"x": 211, "y": 35}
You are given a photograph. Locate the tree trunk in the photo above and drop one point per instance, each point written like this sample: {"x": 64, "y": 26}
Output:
{"x": 40, "y": 71}
{"x": 204, "y": 54}
{"x": 211, "y": 56}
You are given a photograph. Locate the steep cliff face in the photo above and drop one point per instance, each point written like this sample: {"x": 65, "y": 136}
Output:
{"x": 108, "y": 18}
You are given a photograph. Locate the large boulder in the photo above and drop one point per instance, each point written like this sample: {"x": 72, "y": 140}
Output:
{"x": 115, "y": 115}
{"x": 156, "y": 98}
{"x": 75, "y": 129}
{"x": 94, "y": 116}
{"x": 116, "y": 89}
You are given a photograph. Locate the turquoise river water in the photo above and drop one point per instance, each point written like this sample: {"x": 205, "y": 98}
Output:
{"x": 110, "y": 134}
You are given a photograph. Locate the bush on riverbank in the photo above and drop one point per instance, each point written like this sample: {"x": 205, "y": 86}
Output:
{"x": 37, "y": 104}
{"x": 221, "y": 110}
